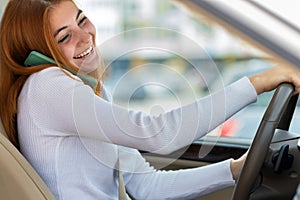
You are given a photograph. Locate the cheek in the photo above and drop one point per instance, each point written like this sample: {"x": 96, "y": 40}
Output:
{"x": 68, "y": 52}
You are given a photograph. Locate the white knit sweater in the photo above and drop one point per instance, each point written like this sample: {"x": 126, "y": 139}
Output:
{"x": 71, "y": 137}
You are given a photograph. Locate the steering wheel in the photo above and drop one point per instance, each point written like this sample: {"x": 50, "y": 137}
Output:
{"x": 260, "y": 145}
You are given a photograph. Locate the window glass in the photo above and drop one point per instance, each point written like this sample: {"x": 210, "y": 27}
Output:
{"x": 2, "y": 3}
{"x": 159, "y": 57}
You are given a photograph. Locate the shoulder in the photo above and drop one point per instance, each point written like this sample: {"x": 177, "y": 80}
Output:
{"x": 52, "y": 74}
{"x": 50, "y": 81}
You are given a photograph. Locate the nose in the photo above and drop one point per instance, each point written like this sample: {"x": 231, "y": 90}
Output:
{"x": 83, "y": 36}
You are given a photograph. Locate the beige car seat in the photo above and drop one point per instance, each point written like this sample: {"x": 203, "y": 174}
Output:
{"x": 18, "y": 180}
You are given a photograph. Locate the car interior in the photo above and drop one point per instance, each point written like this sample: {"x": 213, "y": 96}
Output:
{"x": 18, "y": 179}
{"x": 272, "y": 168}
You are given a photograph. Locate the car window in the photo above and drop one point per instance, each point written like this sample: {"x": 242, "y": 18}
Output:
{"x": 2, "y": 3}
{"x": 158, "y": 56}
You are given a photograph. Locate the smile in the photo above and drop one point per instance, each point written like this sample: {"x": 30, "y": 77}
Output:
{"x": 85, "y": 53}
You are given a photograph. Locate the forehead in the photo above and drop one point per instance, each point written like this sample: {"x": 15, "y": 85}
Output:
{"x": 63, "y": 14}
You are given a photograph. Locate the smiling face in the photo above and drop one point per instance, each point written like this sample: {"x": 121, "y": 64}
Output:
{"x": 75, "y": 35}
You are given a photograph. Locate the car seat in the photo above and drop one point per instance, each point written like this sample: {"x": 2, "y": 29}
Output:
{"x": 18, "y": 179}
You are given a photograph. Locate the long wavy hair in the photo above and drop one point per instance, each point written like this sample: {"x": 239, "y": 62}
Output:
{"x": 25, "y": 26}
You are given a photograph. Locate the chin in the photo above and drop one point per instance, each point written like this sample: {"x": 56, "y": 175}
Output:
{"x": 89, "y": 66}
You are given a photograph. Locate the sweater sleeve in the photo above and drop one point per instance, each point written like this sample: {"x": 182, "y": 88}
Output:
{"x": 68, "y": 107}
{"x": 144, "y": 182}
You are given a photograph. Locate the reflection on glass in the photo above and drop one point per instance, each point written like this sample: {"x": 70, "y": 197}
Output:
{"x": 155, "y": 70}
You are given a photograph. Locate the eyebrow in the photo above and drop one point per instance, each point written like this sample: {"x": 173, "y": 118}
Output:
{"x": 64, "y": 27}
{"x": 59, "y": 30}
{"x": 78, "y": 14}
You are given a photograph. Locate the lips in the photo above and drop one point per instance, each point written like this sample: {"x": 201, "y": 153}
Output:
{"x": 85, "y": 53}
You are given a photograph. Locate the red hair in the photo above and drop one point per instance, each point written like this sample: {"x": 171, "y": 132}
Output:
{"x": 25, "y": 26}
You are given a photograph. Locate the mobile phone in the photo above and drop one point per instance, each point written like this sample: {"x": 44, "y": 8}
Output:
{"x": 37, "y": 58}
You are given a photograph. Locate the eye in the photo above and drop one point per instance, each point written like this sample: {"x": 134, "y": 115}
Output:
{"x": 82, "y": 21}
{"x": 64, "y": 38}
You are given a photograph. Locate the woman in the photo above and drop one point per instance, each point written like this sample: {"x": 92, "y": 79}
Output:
{"x": 62, "y": 120}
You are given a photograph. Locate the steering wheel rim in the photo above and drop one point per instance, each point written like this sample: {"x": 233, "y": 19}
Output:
{"x": 260, "y": 145}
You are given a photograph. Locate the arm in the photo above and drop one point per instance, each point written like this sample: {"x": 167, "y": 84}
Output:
{"x": 71, "y": 108}
{"x": 144, "y": 182}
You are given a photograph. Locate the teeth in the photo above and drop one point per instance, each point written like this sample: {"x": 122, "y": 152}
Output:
{"x": 85, "y": 53}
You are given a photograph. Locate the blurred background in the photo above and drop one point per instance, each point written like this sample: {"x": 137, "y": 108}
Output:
{"x": 158, "y": 57}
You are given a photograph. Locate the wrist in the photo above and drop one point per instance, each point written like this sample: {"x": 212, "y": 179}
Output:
{"x": 257, "y": 83}
{"x": 236, "y": 167}
{"x": 233, "y": 169}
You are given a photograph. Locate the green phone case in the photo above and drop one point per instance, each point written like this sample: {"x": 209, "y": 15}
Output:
{"x": 37, "y": 58}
